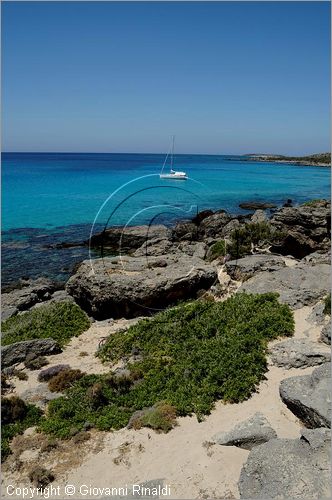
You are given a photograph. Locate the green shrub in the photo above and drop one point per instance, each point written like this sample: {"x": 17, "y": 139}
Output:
{"x": 312, "y": 203}
{"x": 192, "y": 355}
{"x": 16, "y": 417}
{"x": 161, "y": 417}
{"x": 327, "y": 304}
{"x": 60, "y": 321}
{"x": 218, "y": 249}
{"x": 259, "y": 233}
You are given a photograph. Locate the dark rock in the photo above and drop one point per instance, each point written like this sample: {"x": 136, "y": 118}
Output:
{"x": 127, "y": 239}
{"x": 299, "y": 353}
{"x": 17, "y": 352}
{"x": 289, "y": 468}
{"x": 245, "y": 268}
{"x": 326, "y": 333}
{"x": 288, "y": 203}
{"x": 213, "y": 226}
{"x": 133, "y": 286}
{"x": 256, "y": 205}
{"x": 185, "y": 230}
{"x": 252, "y": 432}
{"x": 201, "y": 216}
{"x": 308, "y": 396}
{"x": 307, "y": 229}
{"x": 300, "y": 285}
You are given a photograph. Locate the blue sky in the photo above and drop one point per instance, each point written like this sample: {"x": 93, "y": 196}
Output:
{"x": 224, "y": 77}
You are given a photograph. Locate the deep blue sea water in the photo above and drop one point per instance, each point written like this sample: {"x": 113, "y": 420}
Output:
{"x": 49, "y": 198}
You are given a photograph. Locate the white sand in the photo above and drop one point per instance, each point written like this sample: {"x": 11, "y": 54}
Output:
{"x": 182, "y": 458}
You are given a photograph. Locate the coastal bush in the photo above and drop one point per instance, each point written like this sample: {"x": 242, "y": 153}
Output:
{"x": 16, "y": 416}
{"x": 218, "y": 249}
{"x": 192, "y": 355}
{"x": 252, "y": 233}
{"x": 64, "y": 380}
{"x": 327, "y": 304}
{"x": 61, "y": 321}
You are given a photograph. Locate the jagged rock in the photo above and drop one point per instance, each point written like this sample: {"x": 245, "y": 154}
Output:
{"x": 326, "y": 333}
{"x": 132, "y": 286}
{"x": 245, "y": 268}
{"x": 318, "y": 258}
{"x": 258, "y": 217}
{"x": 185, "y": 230}
{"x": 155, "y": 247}
{"x": 308, "y": 396}
{"x": 252, "y": 432}
{"x": 128, "y": 239}
{"x": 299, "y": 353}
{"x": 256, "y": 205}
{"x": 317, "y": 316}
{"x": 17, "y": 352}
{"x": 289, "y": 468}
{"x": 212, "y": 226}
{"x": 300, "y": 285}
{"x": 307, "y": 229}
{"x": 30, "y": 293}
{"x": 201, "y": 216}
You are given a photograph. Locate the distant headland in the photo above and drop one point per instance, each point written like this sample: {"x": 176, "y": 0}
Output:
{"x": 318, "y": 160}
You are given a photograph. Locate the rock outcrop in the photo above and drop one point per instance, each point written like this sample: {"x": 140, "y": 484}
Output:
{"x": 299, "y": 353}
{"x": 134, "y": 286}
{"x": 252, "y": 432}
{"x": 307, "y": 229}
{"x": 326, "y": 333}
{"x": 289, "y": 468}
{"x": 309, "y": 396}
{"x": 247, "y": 267}
{"x": 30, "y": 293}
{"x": 300, "y": 285}
{"x": 17, "y": 352}
{"x": 127, "y": 239}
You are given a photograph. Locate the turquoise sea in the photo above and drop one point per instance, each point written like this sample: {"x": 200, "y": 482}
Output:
{"x": 50, "y": 198}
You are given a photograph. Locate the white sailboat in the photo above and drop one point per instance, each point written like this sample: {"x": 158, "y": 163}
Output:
{"x": 173, "y": 174}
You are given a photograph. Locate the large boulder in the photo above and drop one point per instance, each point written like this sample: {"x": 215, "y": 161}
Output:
{"x": 245, "y": 268}
{"x": 17, "y": 352}
{"x": 126, "y": 239}
{"x": 309, "y": 396}
{"x": 31, "y": 292}
{"x": 134, "y": 286}
{"x": 185, "y": 230}
{"x": 299, "y": 353}
{"x": 307, "y": 228}
{"x": 252, "y": 432}
{"x": 298, "y": 286}
{"x": 289, "y": 468}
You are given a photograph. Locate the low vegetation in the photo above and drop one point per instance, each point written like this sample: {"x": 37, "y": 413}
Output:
{"x": 327, "y": 304}
{"x": 218, "y": 249}
{"x": 60, "y": 321}
{"x": 191, "y": 356}
{"x": 16, "y": 416}
{"x": 252, "y": 234}
{"x": 64, "y": 380}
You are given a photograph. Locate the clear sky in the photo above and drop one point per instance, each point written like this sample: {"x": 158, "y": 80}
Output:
{"x": 224, "y": 77}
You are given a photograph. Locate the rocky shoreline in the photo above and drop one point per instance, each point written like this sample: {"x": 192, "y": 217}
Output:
{"x": 275, "y": 444}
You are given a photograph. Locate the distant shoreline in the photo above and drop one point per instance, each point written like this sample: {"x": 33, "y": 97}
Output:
{"x": 317, "y": 160}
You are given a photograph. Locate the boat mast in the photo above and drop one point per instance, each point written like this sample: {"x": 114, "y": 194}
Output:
{"x": 172, "y": 154}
